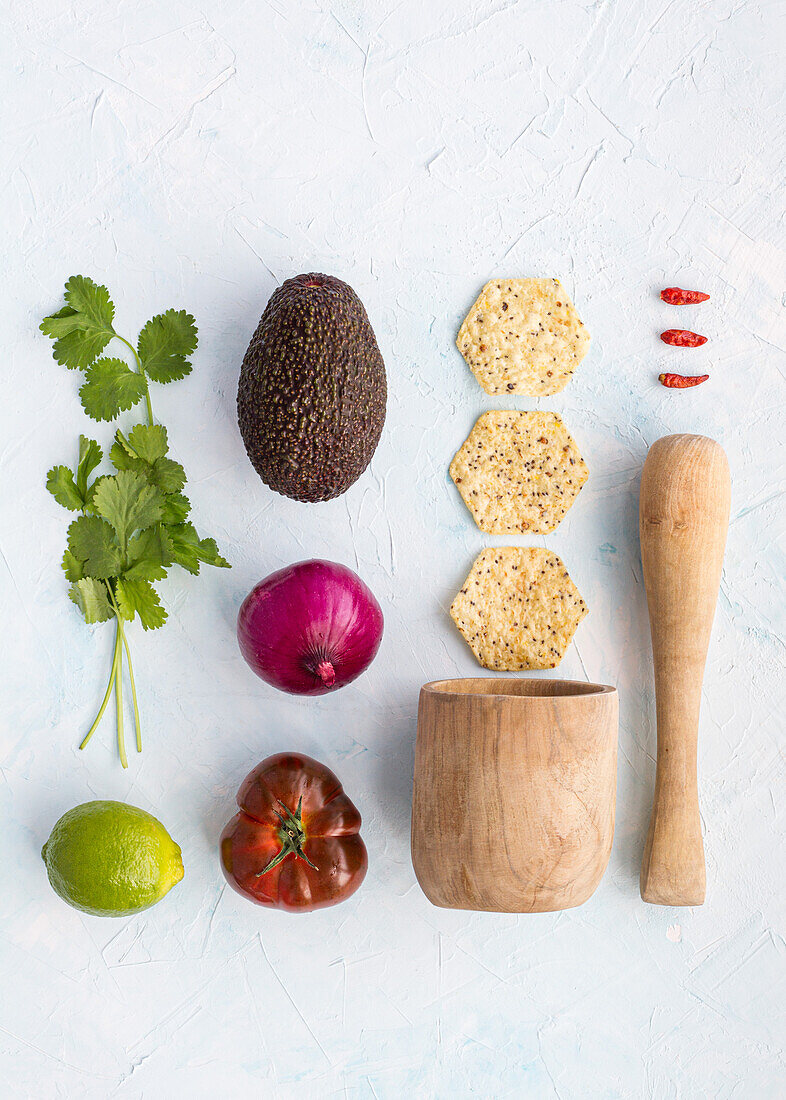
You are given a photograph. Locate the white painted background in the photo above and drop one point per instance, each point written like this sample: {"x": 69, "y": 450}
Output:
{"x": 193, "y": 155}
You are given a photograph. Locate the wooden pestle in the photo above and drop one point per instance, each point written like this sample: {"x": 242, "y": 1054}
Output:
{"x": 683, "y": 520}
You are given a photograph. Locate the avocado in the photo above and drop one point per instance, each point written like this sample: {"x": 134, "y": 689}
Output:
{"x": 312, "y": 392}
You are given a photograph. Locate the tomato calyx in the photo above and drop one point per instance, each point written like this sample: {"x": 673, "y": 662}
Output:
{"x": 292, "y": 836}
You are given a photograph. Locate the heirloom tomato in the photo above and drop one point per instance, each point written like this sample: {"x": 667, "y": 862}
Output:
{"x": 295, "y": 844}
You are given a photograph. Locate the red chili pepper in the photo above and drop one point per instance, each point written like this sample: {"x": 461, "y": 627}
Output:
{"x": 681, "y": 381}
{"x": 682, "y": 338}
{"x": 676, "y": 296}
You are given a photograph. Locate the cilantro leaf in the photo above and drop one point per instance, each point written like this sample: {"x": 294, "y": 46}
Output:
{"x": 167, "y": 475}
{"x": 123, "y": 457}
{"x": 111, "y": 387}
{"x": 60, "y": 483}
{"x": 92, "y": 599}
{"x": 164, "y": 344}
{"x": 189, "y": 550}
{"x": 147, "y": 441}
{"x": 91, "y": 301}
{"x": 73, "y": 346}
{"x": 92, "y": 542}
{"x": 208, "y": 553}
{"x": 83, "y": 327}
{"x": 144, "y": 451}
{"x": 90, "y": 456}
{"x": 90, "y": 495}
{"x": 185, "y": 542}
{"x": 72, "y": 567}
{"x": 176, "y": 508}
{"x": 60, "y": 480}
{"x": 123, "y": 444}
{"x": 138, "y": 597}
{"x": 149, "y": 555}
{"x": 128, "y": 503}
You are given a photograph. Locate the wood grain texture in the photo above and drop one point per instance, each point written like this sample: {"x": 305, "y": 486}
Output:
{"x": 684, "y": 505}
{"x": 514, "y": 792}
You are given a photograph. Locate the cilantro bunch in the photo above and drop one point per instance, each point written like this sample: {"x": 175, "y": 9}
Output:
{"x": 133, "y": 524}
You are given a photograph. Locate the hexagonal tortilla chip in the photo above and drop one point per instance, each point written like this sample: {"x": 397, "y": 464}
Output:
{"x": 523, "y": 336}
{"x": 519, "y": 472}
{"x": 518, "y": 609}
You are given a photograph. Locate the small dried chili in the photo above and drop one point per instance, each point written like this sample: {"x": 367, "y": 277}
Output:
{"x": 681, "y": 381}
{"x": 682, "y": 338}
{"x": 676, "y": 296}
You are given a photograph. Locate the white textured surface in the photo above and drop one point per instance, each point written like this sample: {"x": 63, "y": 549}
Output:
{"x": 192, "y": 155}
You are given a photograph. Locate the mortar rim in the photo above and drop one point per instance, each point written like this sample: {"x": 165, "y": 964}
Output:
{"x": 546, "y": 688}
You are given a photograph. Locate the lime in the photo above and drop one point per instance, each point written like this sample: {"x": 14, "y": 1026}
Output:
{"x": 111, "y": 859}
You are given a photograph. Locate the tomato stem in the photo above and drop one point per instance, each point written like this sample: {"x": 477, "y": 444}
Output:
{"x": 292, "y": 836}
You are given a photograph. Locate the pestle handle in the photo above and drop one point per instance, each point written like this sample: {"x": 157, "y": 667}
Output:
{"x": 683, "y": 521}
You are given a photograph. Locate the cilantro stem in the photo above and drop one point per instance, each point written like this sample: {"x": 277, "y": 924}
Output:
{"x": 137, "y": 723}
{"x": 121, "y": 744}
{"x": 110, "y": 685}
{"x": 141, "y": 371}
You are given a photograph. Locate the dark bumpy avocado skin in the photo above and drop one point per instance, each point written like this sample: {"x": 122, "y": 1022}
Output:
{"x": 312, "y": 393}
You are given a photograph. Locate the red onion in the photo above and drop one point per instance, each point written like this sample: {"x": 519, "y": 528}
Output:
{"x": 310, "y": 628}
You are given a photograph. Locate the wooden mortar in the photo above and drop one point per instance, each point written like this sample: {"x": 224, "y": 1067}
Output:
{"x": 514, "y": 792}
{"x": 683, "y": 520}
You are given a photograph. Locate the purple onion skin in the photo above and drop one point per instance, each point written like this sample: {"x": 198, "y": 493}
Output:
{"x": 310, "y": 628}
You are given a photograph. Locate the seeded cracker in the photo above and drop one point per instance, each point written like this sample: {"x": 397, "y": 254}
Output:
{"x": 519, "y": 472}
{"x": 523, "y": 336}
{"x": 518, "y": 609}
